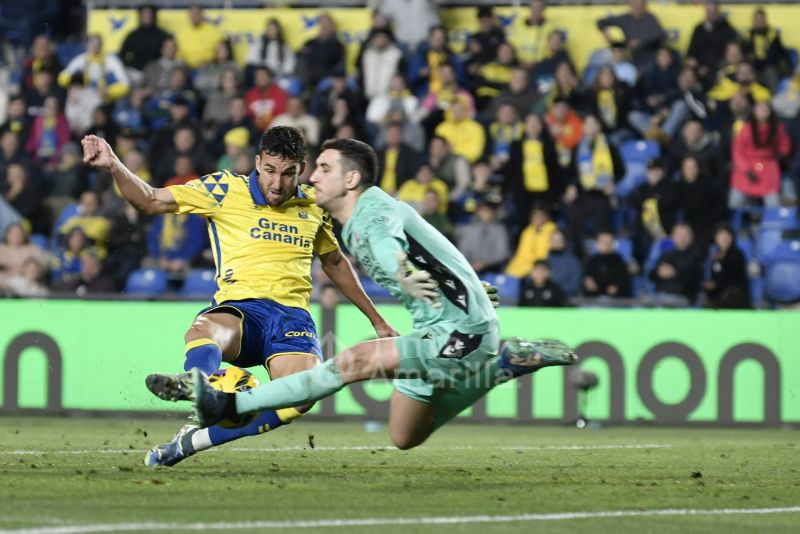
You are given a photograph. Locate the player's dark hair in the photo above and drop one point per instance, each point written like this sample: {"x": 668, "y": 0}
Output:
{"x": 283, "y": 141}
{"x": 356, "y": 156}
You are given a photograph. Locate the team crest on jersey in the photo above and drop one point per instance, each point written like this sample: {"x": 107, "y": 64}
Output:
{"x": 304, "y": 215}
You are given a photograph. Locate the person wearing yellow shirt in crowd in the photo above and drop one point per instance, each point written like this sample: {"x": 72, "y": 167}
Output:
{"x": 504, "y": 132}
{"x": 745, "y": 81}
{"x": 423, "y": 68}
{"x": 101, "y": 71}
{"x": 197, "y": 43}
{"x": 414, "y": 191}
{"x": 93, "y": 225}
{"x": 397, "y": 161}
{"x": 764, "y": 46}
{"x": 437, "y": 102}
{"x": 495, "y": 75}
{"x": 529, "y": 34}
{"x": 465, "y": 135}
{"x": 534, "y": 243}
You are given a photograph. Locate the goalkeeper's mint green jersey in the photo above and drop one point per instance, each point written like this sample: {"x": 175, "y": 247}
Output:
{"x": 381, "y": 227}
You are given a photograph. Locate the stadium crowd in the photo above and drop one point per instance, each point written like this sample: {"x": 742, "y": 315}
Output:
{"x": 634, "y": 178}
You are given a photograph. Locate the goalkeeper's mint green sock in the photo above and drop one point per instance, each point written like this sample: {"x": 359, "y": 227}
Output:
{"x": 292, "y": 390}
{"x": 466, "y": 391}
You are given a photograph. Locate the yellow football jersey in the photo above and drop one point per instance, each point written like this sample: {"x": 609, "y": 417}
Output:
{"x": 260, "y": 251}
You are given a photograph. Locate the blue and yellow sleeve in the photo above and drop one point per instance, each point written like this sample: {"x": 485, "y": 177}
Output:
{"x": 203, "y": 196}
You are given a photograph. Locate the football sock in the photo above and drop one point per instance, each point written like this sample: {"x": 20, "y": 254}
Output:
{"x": 293, "y": 390}
{"x": 205, "y": 438}
{"x": 204, "y": 354}
{"x": 467, "y": 390}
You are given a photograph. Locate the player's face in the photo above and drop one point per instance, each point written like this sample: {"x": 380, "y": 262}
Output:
{"x": 329, "y": 178}
{"x": 277, "y": 177}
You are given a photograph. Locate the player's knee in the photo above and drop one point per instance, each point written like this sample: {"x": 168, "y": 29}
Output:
{"x": 405, "y": 441}
{"x": 200, "y": 329}
{"x": 304, "y": 408}
{"x": 355, "y": 365}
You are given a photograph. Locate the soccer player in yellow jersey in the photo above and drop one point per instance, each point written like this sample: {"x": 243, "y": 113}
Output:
{"x": 264, "y": 230}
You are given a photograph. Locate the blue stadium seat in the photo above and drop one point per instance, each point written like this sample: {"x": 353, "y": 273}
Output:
{"x": 782, "y": 283}
{"x": 772, "y": 247}
{"x": 635, "y": 154}
{"x": 374, "y": 289}
{"x": 40, "y": 240}
{"x": 507, "y": 286}
{"x": 782, "y": 218}
{"x": 146, "y": 282}
{"x": 199, "y": 283}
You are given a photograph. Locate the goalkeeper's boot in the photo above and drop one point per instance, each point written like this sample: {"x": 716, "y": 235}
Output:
{"x": 210, "y": 405}
{"x": 169, "y": 387}
{"x": 521, "y": 356}
{"x": 173, "y": 451}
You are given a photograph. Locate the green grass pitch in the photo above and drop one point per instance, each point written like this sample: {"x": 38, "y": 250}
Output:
{"x": 74, "y": 475}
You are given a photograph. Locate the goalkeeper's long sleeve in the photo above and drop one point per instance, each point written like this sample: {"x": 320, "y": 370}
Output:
{"x": 293, "y": 390}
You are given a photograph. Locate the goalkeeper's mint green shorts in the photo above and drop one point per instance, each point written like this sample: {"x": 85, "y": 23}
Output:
{"x": 432, "y": 359}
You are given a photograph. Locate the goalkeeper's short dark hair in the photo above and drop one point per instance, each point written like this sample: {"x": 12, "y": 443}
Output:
{"x": 283, "y": 141}
{"x": 356, "y": 156}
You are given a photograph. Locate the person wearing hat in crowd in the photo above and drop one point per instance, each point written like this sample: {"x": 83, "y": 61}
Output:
{"x": 537, "y": 289}
{"x": 236, "y": 141}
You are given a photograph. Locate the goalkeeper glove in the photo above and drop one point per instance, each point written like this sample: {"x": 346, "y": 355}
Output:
{"x": 491, "y": 292}
{"x": 416, "y": 283}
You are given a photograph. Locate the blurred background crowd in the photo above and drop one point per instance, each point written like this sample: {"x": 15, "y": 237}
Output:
{"x": 652, "y": 176}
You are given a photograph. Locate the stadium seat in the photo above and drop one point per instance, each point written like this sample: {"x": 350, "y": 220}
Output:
{"x": 40, "y": 240}
{"x": 782, "y": 283}
{"x": 507, "y": 286}
{"x": 656, "y": 250}
{"x": 146, "y": 282}
{"x": 199, "y": 283}
{"x": 782, "y": 218}
{"x": 772, "y": 247}
{"x": 635, "y": 154}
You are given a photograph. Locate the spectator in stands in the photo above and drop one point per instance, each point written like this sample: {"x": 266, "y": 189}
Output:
{"x": 217, "y": 107}
{"x": 93, "y": 226}
{"x": 534, "y": 242}
{"x": 90, "y": 279}
{"x": 662, "y": 110}
{"x": 484, "y": 187}
{"x": 605, "y": 273}
{"x": 270, "y": 50}
{"x": 49, "y": 134}
{"x": 531, "y": 34}
{"x": 642, "y": 30}
{"x": 158, "y": 109}
{"x": 596, "y": 167}
{"x": 325, "y": 101}
{"x": 323, "y": 55}
{"x": 297, "y": 117}
{"x": 484, "y": 241}
{"x": 506, "y": 130}
{"x": 702, "y": 145}
{"x": 397, "y": 99}
{"x": 465, "y": 135}
{"x": 144, "y": 43}
{"x": 757, "y": 149}
{"x": 441, "y": 99}
{"x": 197, "y": 42}
{"x": 494, "y": 76}
{"x": 611, "y": 104}
{"x": 708, "y": 42}
{"x": 449, "y": 167}
{"x": 126, "y": 243}
{"x": 265, "y": 100}
{"x": 411, "y": 20}
{"x": 184, "y": 171}
{"x": 42, "y": 57}
{"x": 538, "y": 288}
{"x": 397, "y": 161}
{"x": 80, "y": 105}
{"x": 656, "y": 204}
{"x": 237, "y": 118}
{"x": 12, "y": 152}
{"x": 102, "y": 71}
{"x": 414, "y": 191}
{"x": 425, "y": 73}
{"x": 17, "y": 120}
{"x": 66, "y": 181}
{"x": 764, "y": 46}
{"x": 433, "y": 213}
{"x": 28, "y": 283}
{"x": 484, "y": 43}
{"x": 543, "y": 72}
{"x": 726, "y": 285}
{"x": 533, "y": 172}
{"x": 236, "y": 142}
{"x": 786, "y": 101}
{"x": 208, "y": 78}
{"x": 103, "y": 125}
{"x": 15, "y": 250}
{"x": 679, "y": 271}
{"x": 518, "y": 94}
{"x": 692, "y": 94}
{"x": 157, "y": 72}
{"x": 23, "y": 196}
{"x": 566, "y": 129}
{"x": 185, "y": 142}
{"x": 380, "y": 61}
{"x": 697, "y": 201}
{"x": 175, "y": 242}
{"x": 44, "y": 86}
{"x": 67, "y": 265}
{"x": 343, "y": 117}
{"x": 744, "y": 81}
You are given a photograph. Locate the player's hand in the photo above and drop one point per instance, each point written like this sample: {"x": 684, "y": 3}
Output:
{"x": 416, "y": 283}
{"x": 97, "y": 152}
{"x": 384, "y": 329}
{"x": 491, "y": 292}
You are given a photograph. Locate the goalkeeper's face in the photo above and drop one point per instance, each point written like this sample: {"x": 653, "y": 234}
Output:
{"x": 277, "y": 177}
{"x": 330, "y": 180}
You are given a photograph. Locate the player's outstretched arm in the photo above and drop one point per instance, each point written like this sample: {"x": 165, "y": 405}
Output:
{"x": 141, "y": 195}
{"x": 340, "y": 271}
